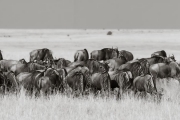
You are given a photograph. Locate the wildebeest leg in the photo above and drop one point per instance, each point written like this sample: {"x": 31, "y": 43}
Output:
{"x": 119, "y": 95}
{"x": 154, "y": 82}
{"x": 109, "y": 86}
{"x": 81, "y": 85}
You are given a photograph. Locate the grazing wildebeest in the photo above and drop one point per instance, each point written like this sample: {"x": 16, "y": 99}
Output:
{"x": 164, "y": 70}
{"x": 81, "y": 55}
{"x": 121, "y": 80}
{"x": 115, "y": 63}
{"x": 161, "y": 53}
{"x": 143, "y": 84}
{"x": 60, "y": 63}
{"x": 41, "y": 54}
{"x": 29, "y": 67}
{"x": 126, "y": 54}
{"x": 104, "y": 54}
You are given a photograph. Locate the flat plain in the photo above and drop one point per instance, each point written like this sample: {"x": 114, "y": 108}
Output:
{"x": 17, "y": 44}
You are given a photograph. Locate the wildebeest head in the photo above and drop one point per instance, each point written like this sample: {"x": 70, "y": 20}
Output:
{"x": 172, "y": 58}
{"x": 103, "y": 67}
{"x": 95, "y": 66}
{"x": 23, "y": 61}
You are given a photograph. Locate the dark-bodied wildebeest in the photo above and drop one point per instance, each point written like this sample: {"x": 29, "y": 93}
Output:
{"x": 11, "y": 83}
{"x": 161, "y": 53}
{"x": 115, "y": 63}
{"x": 30, "y": 81}
{"x": 126, "y": 54}
{"x": 134, "y": 68}
{"x": 164, "y": 70}
{"x": 60, "y": 63}
{"x": 81, "y": 55}
{"x": 29, "y": 67}
{"x": 78, "y": 78}
{"x": 101, "y": 79}
{"x": 143, "y": 84}
{"x": 3, "y": 82}
{"x": 41, "y": 54}
{"x": 104, "y": 54}
{"x": 121, "y": 80}
{"x": 102, "y": 82}
{"x": 51, "y": 80}
{"x": 74, "y": 80}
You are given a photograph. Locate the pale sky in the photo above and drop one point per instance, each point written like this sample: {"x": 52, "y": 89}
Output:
{"x": 94, "y": 14}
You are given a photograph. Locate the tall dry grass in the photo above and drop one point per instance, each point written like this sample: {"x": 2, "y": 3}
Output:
{"x": 61, "y": 107}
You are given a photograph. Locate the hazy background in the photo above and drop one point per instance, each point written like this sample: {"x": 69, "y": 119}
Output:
{"x": 76, "y": 14}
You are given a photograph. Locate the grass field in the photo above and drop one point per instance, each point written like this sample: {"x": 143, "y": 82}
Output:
{"x": 16, "y": 44}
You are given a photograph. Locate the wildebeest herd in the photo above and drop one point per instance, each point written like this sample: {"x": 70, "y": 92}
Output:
{"x": 104, "y": 71}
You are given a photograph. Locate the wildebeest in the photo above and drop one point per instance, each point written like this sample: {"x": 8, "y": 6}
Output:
{"x": 126, "y": 54}
{"x": 74, "y": 80}
{"x": 29, "y": 81}
{"x": 102, "y": 82}
{"x": 41, "y": 54}
{"x": 51, "y": 80}
{"x": 81, "y": 55}
{"x": 143, "y": 84}
{"x": 121, "y": 80}
{"x": 115, "y": 63}
{"x": 29, "y": 67}
{"x": 161, "y": 53}
{"x": 11, "y": 82}
{"x": 104, "y": 54}
{"x": 164, "y": 70}
{"x": 101, "y": 79}
{"x": 135, "y": 68}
